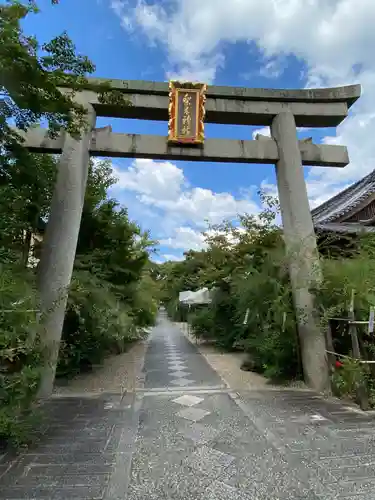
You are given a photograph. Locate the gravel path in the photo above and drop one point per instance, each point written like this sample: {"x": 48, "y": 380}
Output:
{"x": 117, "y": 374}
{"x": 227, "y": 365}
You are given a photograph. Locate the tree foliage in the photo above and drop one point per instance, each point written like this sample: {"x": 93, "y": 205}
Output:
{"x": 245, "y": 266}
{"x": 252, "y": 308}
{"x": 108, "y": 302}
{"x": 40, "y": 82}
{"x": 113, "y": 295}
{"x": 31, "y": 75}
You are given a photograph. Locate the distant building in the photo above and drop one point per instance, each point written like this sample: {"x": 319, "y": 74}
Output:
{"x": 350, "y": 212}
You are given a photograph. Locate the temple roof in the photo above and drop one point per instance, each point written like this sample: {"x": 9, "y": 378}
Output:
{"x": 343, "y": 203}
{"x": 347, "y": 228}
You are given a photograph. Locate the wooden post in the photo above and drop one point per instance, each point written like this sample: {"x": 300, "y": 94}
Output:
{"x": 329, "y": 340}
{"x": 362, "y": 389}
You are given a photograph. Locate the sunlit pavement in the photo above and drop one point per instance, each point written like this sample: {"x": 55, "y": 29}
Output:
{"x": 186, "y": 435}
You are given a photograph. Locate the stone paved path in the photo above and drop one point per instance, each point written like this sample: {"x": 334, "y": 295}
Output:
{"x": 185, "y": 435}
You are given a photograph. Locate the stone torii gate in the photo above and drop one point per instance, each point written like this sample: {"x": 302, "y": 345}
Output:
{"x": 282, "y": 110}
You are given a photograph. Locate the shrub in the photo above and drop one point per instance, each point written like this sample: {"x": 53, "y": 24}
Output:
{"x": 20, "y": 354}
{"x": 348, "y": 376}
{"x": 176, "y": 311}
{"x": 96, "y": 324}
{"x": 270, "y": 334}
{"x": 144, "y": 304}
{"x": 202, "y": 323}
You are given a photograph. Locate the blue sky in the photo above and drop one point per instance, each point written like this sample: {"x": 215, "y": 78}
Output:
{"x": 249, "y": 43}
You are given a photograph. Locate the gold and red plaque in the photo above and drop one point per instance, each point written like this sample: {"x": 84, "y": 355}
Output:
{"x": 186, "y": 112}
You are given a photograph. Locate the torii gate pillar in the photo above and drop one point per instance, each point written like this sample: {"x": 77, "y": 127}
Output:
{"x": 302, "y": 251}
{"x": 60, "y": 243}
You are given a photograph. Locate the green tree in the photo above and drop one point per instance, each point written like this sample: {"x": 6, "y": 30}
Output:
{"x": 111, "y": 260}
{"x": 31, "y": 76}
{"x": 25, "y": 193}
{"x": 244, "y": 265}
{"x": 110, "y": 245}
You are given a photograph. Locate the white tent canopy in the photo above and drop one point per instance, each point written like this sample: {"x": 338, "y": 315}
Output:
{"x": 202, "y": 296}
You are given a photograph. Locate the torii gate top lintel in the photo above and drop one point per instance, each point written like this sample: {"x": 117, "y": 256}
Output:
{"x": 326, "y": 107}
{"x": 345, "y": 93}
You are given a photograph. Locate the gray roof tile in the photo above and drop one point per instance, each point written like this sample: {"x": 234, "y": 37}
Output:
{"x": 345, "y": 201}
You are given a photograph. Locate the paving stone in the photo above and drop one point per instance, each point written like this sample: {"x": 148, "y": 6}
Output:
{"x": 179, "y": 373}
{"x": 193, "y": 414}
{"x": 176, "y": 365}
{"x": 221, "y": 491}
{"x": 182, "y": 382}
{"x": 209, "y": 461}
{"x": 61, "y": 479}
{"x": 335, "y": 463}
{"x": 188, "y": 400}
{"x": 21, "y": 493}
{"x": 174, "y": 368}
{"x": 53, "y": 493}
{"x": 41, "y": 470}
{"x": 168, "y": 481}
{"x": 90, "y": 446}
{"x": 355, "y": 487}
{"x": 199, "y": 434}
{"x": 79, "y": 458}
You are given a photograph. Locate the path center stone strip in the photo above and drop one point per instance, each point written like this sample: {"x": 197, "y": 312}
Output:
{"x": 179, "y": 366}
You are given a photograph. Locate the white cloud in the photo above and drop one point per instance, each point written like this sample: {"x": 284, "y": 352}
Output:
{"x": 334, "y": 38}
{"x": 274, "y": 67}
{"x": 262, "y": 131}
{"x": 184, "y": 238}
{"x": 183, "y": 211}
{"x": 173, "y": 258}
{"x": 162, "y": 180}
{"x": 163, "y": 185}
{"x": 192, "y": 30}
{"x": 195, "y": 71}
{"x": 317, "y": 191}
